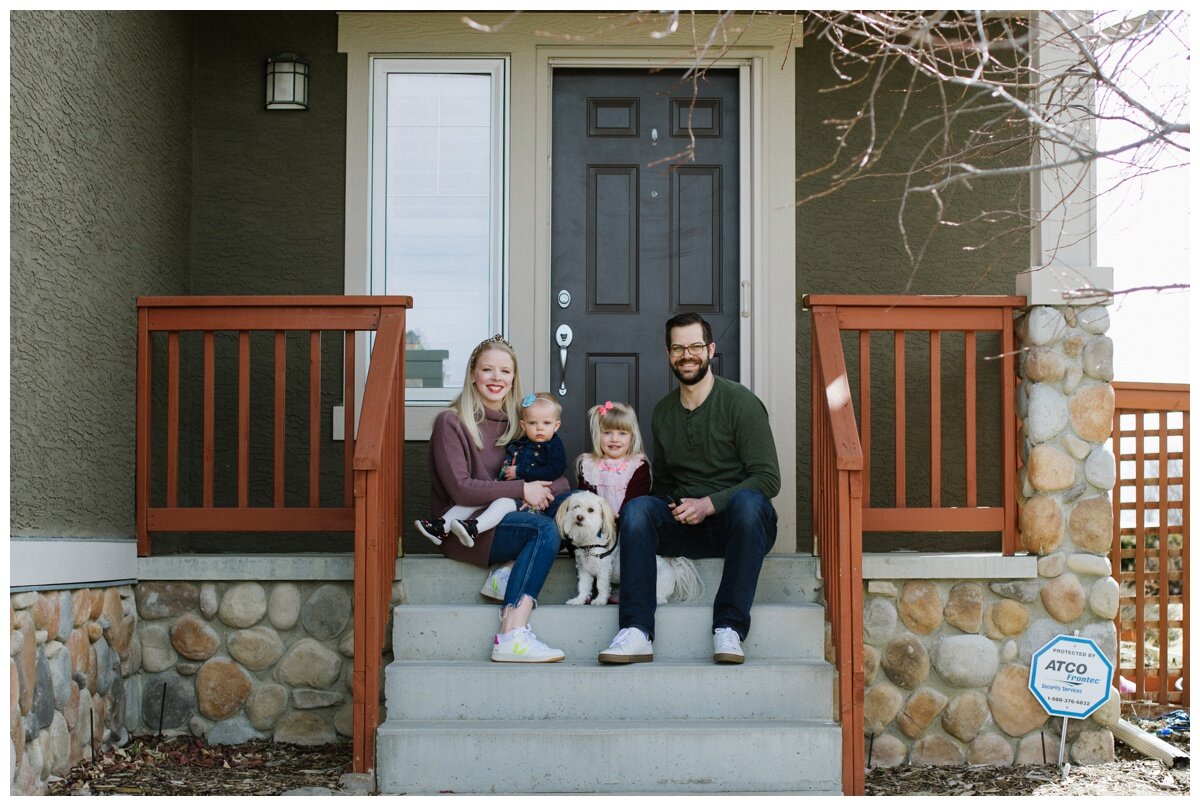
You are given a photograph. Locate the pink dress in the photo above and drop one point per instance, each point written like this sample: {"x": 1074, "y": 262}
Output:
{"x": 610, "y": 477}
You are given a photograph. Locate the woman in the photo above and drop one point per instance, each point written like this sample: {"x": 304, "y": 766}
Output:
{"x": 466, "y": 451}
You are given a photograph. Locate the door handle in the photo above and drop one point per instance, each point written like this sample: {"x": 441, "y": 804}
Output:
{"x": 564, "y": 337}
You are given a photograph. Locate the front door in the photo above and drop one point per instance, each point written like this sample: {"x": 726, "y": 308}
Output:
{"x": 639, "y": 233}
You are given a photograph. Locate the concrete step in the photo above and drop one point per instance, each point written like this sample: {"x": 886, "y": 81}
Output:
{"x": 682, "y": 631}
{"x": 686, "y": 689}
{"x": 617, "y": 756}
{"x": 429, "y": 579}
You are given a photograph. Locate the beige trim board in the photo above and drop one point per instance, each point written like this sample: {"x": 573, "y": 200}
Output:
{"x": 534, "y": 44}
{"x": 70, "y": 562}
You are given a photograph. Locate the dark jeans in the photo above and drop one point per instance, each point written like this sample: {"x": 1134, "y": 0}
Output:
{"x": 742, "y": 534}
{"x": 531, "y": 538}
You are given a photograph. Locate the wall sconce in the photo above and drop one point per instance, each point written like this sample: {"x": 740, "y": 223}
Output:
{"x": 287, "y": 82}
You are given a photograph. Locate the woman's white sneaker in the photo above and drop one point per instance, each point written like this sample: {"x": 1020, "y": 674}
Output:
{"x": 630, "y": 645}
{"x": 520, "y": 645}
{"x": 727, "y": 647}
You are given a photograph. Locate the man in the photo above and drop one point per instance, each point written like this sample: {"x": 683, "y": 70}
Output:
{"x": 715, "y": 471}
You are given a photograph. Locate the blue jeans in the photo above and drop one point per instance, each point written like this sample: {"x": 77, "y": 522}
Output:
{"x": 742, "y": 533}
{"x": 531, "y": 538}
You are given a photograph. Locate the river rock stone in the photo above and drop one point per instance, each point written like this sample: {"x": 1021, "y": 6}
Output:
{"x": 235, "y": 730}
{"x": 1051, "y": 565}
{"x": 81, "y": 606}
{"x": 887, "y": 751}
{"x": 990, "y": 750}
{"x": 1094, "y": 747}
{"x": 105, "y": 661}
{"x": 1091, "y": 525}
{"x": 1048, "y": 413}
{"x": 210, "y": 600}
{"x": 1100, "y": 469}
{"x": 59, "y": 739}
{"x": 194, "y": 639}
{"x": 906, "y": 661}
{"x": 26, "y": 660}
{"x": 1094, "y": 319}
{"x": 965, "y": 715}
{"x": 1018, "y": 590}
{"x": 256, "y": 648}
{"x": 966, "y": 661}
{"x": 1044, "y": 325}
{"x": 265, "y": 705}
{"x": 1109, "y": 713}
{"x": 1041, "y": 525}
{"x": 1038, "y": 748}
{"x": 346, "y": 645}
{"x": 879, "y": 620}
{"x": 343, "y": 720}
{"x": 1072, "y": 346}
{"x": 159, "y": 600}
{"x": 1009, "y": 652}
{"x": 221, "y": 688}
{"x": 1064, "y": 598}
{"x": 42, "y": 706}
{"x": 1006, "y": 617}
{"x": 1044, "y": 365}
{"x": 880, "y": 706}
{"x": 243, "y": 605}
{"x": 188, "y": 667}
{"x": 308, "y": 664}
{"x": 1104, "y": 633}
{"x": 327, "y": 612}
{"x": 1092, "y": 412}
{"x": 1013, "y": 706}
{"x": 936, "y": 751}
{"x": 1036, "y": 636}
{"x": 306, "y": 728}
{"x": 95, "y": 630}
{"x": 180, "y": 701}
{"x": 870, "y": 664}
{"x": 882, "y": 587}
{"x": 23, "y": 600}
{"x": 964, "y": 607}
{"x": 60, "y": 678}
{"x": 45, "y": 611}
{"x": 1091, "y": 564}
{"x": 307, "y": 698}
{"x": 158, "y": 654}
{"x": 919, "y": 712}
{"x": 1072, "y": 379}
{"x": 1050, "y": 469}
{"x": 1098, "y": 358}
{"x": 1105, "y": 598}
{"x": 283, "y": 606}
{"x": 920, "y": 606}
{"x": 97, "y": 603}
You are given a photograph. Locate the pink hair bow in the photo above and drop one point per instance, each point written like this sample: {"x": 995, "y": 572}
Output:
{"x": 605, "y": 409}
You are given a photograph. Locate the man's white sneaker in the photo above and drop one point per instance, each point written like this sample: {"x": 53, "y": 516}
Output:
{"x": 630, "y": 645}
{"x": 520, "y": 645}
{"x": 727, "y": 647}
{"x": 496, "y": 583}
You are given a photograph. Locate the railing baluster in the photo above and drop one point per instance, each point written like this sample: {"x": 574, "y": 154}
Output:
{"x": 1164, "y": 563}
{"x": 1184, "y": 578}
{"x": 1140, "y": 561}
{"x": 348, "y": 416}
{"x": 1008, "y": 433}
{"x": 864, "y": 401}
{"x": 209, "y": 416}
{"x": 935, "y": 418}
{"x": 969, "y": 359}
{"x": 173, "y": 419}
{"x": 281, "y": 415}
{"x": 243, "y": 418}
{"x": 901, "y": 425}
{"x": 314, "y": 417}
{"x": 143, "y": 427}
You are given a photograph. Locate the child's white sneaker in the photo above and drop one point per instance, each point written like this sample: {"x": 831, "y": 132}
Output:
{"x": 432, "y": 528}
{"x": 727, "y": 646}
{"x": 465, "y": 530}
{"x": 496, "y": 583}
{"x": 520, "y": 645}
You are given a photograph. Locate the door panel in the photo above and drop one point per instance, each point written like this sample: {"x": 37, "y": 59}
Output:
{"x": 636, "y": 237}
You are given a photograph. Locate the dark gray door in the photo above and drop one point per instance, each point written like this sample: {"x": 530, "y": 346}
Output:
{"x": 636, "y": 236}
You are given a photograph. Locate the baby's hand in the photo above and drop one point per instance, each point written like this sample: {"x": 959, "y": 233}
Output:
{"x": 510, "y": 472}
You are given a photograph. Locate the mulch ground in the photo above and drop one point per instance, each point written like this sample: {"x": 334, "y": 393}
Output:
{"x": 184, "y": 765}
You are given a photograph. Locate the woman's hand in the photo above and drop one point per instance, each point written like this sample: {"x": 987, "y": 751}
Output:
{"x": 537, "y": 494}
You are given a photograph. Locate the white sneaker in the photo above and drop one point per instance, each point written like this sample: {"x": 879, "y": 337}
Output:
{"x": 630, "y": 645}
{"x": 727, "y": 647}
{"x": 520, "y": 645}
{"x": 496, "y": 583}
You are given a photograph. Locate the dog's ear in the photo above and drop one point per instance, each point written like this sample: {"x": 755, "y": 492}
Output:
{"x": 560, "y": 517}
{"x": 610, "y": 519}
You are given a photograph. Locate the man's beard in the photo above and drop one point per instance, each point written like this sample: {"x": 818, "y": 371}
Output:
{"x": 701, "y": 372}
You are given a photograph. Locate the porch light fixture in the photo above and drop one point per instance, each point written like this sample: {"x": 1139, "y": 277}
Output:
{"x": 287, "y": 82}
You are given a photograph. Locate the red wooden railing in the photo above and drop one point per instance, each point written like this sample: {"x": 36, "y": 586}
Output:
{"x": 1150, "y": 537}
{"x": 936, "y": 316}
{"x": 373, "y": 464}
{"x": 837, "y": 522}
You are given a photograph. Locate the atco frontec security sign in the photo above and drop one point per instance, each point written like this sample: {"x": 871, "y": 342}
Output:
{"x": 1070, "y": 676}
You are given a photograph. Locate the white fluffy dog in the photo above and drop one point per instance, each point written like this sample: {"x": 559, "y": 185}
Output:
{"x": 586, "y": 520}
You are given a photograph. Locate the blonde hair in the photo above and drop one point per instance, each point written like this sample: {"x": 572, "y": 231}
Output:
{"x": 609, "y": 416}
{"x": 542, "y": 397}
{"x": 469, "y": 406}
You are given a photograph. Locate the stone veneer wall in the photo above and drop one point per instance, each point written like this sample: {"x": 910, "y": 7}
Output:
{"x": 947, "y": 661}
{"x": 74, "y": 654}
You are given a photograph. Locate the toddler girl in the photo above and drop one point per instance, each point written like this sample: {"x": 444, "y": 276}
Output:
{"x": 616, "y": 469}
{"x": 537, "y": 456}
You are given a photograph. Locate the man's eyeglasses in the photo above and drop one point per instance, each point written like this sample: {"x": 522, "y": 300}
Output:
{"x": 676, "y": 350}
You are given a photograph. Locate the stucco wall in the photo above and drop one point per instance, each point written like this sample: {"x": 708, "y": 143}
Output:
{"x": 849, "y": 243}
{"x": 100, "y": 150}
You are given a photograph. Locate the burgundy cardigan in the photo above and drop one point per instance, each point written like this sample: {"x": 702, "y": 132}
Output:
{"x": 465, "y": 475}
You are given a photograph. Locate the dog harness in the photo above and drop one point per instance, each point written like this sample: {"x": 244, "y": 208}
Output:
{"x": 588, "y": 549}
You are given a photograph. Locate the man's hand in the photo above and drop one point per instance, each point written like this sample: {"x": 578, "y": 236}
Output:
{"x": 692, "y": 511}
